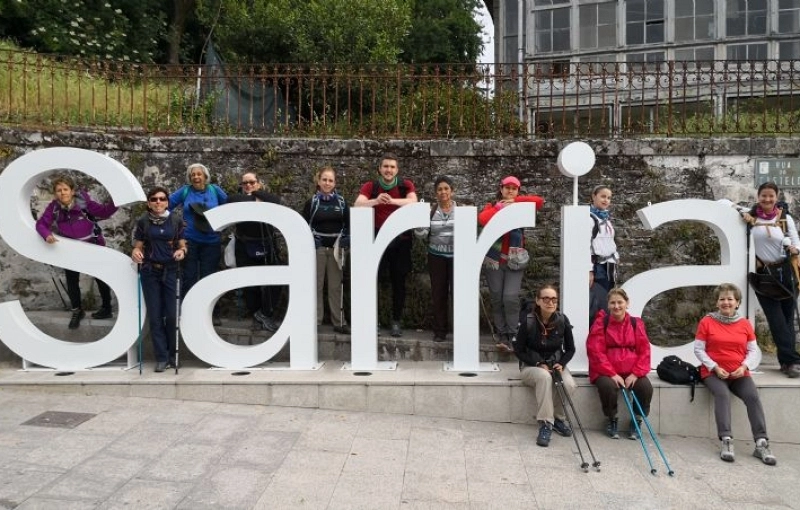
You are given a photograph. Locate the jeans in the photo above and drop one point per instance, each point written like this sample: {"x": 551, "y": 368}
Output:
{"x": 74, "y": 290}
{"x": 159, "y": 289}
{"x": 201, "y": 260}
{"x": 780, "y": 315}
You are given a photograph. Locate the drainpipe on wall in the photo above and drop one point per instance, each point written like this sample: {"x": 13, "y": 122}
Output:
{"x": 521, "y": 57}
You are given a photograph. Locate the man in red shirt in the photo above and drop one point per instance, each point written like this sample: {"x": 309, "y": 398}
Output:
{"x": 385, "y": 195}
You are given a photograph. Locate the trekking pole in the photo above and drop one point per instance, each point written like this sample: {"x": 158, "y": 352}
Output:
{"x": 343, "y": 259}
{"x": 60, "y": 295}
{"x": 653, "y": 436}
{"x": 488, "y": 319}
{"x": 566, "y": 396}
{"x": 177, "y": 316}
{"x": 638, "y": 429}
{"x": 560, "y": 390}
{"x": 139, "y": 315}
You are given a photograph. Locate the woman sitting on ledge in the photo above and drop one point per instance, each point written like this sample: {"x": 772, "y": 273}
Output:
{"x": 726, "y": 346}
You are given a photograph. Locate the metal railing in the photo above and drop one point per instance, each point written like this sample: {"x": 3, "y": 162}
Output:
{"x": 400, "y": 101}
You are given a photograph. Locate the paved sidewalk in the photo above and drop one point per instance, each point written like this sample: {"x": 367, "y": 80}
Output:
{"x": 149, "y": 453}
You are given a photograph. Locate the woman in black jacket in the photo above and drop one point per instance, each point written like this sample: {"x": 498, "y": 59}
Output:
{"x": 544, "y": 344}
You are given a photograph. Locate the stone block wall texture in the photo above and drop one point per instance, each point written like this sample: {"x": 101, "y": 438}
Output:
{"x": 639, "y": 171}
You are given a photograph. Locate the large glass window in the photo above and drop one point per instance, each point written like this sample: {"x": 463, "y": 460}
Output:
{"x": 747, "y": 52}
{"x": 598, "y": 25}
{"x": 746, "y": 17}
{"x": 647, "y": 60}
{"x": 510, "y": 28}
{"x": 552, "y": 30}
{"x": 547, "y": 3}
{"x": 789, "y": 50}
{"x": 692, "y": 58}
{"x": 788, "y": 16}
{"x": 644, "y": 21}
{"x": 694, "y": 20}
{"x": 598, "y": 64}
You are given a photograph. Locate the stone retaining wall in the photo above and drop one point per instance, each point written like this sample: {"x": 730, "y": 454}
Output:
{"x": 639, "y": 171}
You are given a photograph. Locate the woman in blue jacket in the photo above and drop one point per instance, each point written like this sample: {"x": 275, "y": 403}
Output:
{"x": 204, "y": 243}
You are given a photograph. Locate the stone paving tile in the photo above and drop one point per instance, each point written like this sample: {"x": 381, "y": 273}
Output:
{"x": 366, "y": 492}
{"x": 228, "y": 488}
{"x": 378, "y": 457}
{"x": 22, "y": 481}
{"x": 184, "y": 462}
{"x": 56, "y": 504}
{"x": 307, "y": 491}
{"x": 146, "y": 495}
{"x": 69, "y": 450}
{"x": 266, "y": 449}
{"x": 385, "y": 426}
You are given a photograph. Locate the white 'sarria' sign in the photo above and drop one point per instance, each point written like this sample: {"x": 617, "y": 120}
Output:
{"x": 17, "y": 228}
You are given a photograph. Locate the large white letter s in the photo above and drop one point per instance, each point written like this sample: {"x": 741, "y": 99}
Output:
{"x": 17, "y": 228}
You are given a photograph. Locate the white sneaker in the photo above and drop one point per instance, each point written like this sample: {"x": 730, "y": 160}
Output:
{"x": 726, "y": 450}
{"x": 763, "y": 452}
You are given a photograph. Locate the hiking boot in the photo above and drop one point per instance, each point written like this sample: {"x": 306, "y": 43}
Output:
{"x": 343, "y": 329}
{"x": 562, "y": 427}
{"x": 726, "y": 450}
{"x": 762, "y": 452}
{"x": 77, "y": 316}
{"x": 173, "y": 364}
{"x": 103, "y": 313}
{"x": 396, "y": 331}
{"x": 791, "y": 371}
{"x": 505, "y": 345}
{"x": 611, "y": 429}
{"x": 545, "y": 431}
{"x": 266, "y": 323}
{"x": 161, "y": 366}
{"x": 632, "y": 434}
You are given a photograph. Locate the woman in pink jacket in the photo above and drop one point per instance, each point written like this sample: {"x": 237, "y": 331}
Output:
{"x": 619, "y": 357}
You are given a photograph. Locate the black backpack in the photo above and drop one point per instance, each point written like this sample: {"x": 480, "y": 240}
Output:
{"x": 674, "y": 370}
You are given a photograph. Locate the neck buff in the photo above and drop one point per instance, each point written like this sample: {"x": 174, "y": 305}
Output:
{"x": 724, "y": 319}
{"x": 325, "y": 196}
{"x": 764, "y": 216}
{"x": 158, "y": 219}
{"x": 389, "y": 186}
{"x": 600, "y": 213}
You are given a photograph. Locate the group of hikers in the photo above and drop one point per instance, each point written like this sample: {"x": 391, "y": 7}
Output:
{"x": 167, "y": 242}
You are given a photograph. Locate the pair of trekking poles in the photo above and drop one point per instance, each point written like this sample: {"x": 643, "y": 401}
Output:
{"x": 569, "y": 407}
{"x": 177, "y": 316}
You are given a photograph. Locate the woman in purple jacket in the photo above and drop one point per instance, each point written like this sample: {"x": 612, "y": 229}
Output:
{"x": 75, "y": 215}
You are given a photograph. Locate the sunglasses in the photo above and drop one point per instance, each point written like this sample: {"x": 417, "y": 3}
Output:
{"x": 157, "y": 199}
{"x": 249, "y": 183}
{"x": 549, "y": 299}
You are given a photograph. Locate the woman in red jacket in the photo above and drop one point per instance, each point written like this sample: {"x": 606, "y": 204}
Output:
{"x": 502, "y": 265}
{"x": 619, "y": 357}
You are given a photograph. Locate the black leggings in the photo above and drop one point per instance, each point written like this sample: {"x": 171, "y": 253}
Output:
{"x": 74, "y": 290}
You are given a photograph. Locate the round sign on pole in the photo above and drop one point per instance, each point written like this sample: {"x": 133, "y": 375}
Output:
{"x": 576, "y": 159}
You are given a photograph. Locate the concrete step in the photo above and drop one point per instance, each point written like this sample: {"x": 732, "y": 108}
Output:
{"x": 416, "y": 388}
{"x": 414, "y": 345}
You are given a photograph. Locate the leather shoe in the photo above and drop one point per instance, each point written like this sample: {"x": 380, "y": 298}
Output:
{"x": 161, "y": 366}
